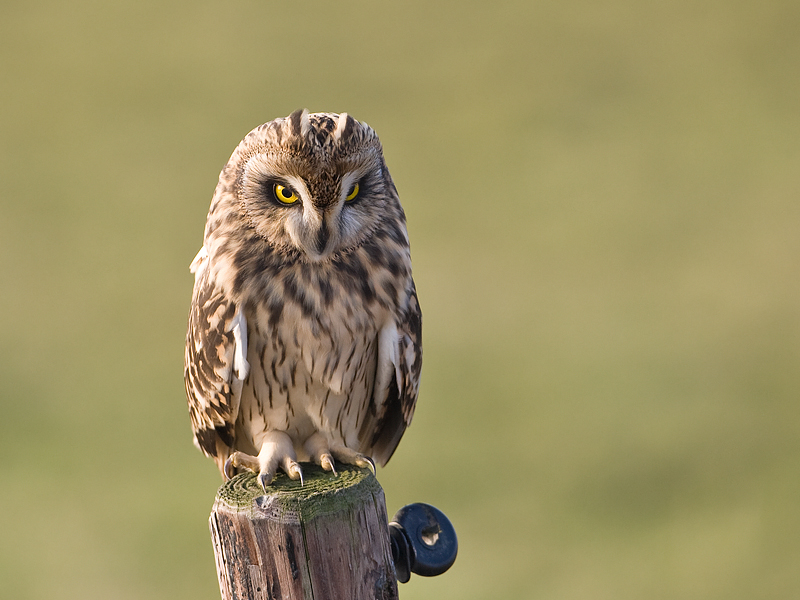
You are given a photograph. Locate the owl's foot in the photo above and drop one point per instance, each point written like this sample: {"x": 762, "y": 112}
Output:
{"x": 350, "y": 457}
{"x": 276, "y": 451}
{"x": 239, "y": 460}
{"x": 317, "y": 448}
{"x": 323, "y": 454}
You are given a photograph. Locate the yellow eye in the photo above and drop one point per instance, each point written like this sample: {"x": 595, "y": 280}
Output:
{"x": 353, "y": 193}
{"x": 285, "y": 194}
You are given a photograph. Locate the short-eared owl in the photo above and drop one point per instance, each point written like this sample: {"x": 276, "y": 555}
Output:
{"x": 304, "y": 338}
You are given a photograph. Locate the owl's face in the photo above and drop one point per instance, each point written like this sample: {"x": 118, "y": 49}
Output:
{"x": 312, "y": 185}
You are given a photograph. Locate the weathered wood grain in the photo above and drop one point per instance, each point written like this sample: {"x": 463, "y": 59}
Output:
{"x": 325, "y": 540}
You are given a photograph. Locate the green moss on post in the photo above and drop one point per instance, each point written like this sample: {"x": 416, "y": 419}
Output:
{"x": 326, "y": 539}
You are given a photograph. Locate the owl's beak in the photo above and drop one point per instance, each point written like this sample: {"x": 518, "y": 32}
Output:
{"x": 319, "y": 229}
{"x": 317, "y": 239}
{"x": 323, "y": 235}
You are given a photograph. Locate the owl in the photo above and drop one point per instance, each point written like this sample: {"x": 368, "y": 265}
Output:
{"x": 304, "y": 336}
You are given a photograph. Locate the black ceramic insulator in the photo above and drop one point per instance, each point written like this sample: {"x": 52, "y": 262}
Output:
{"x": 423, "y": 541}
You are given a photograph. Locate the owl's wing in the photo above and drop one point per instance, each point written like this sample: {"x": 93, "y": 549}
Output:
{"x": 215, "y": 363}
{"x": 396, "y": 382}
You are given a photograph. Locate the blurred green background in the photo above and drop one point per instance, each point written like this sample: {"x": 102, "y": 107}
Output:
{"x": 604, "y": 205}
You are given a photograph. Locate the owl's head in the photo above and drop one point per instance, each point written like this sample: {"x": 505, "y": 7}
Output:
{"x": 309, "y": 185}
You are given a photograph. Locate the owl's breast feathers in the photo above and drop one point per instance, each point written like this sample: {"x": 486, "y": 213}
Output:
{"x": 319, "y": 310}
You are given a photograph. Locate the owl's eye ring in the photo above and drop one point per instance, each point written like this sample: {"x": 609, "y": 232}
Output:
{"x": 284, "y": 194}
{"x": 353, "y": 193}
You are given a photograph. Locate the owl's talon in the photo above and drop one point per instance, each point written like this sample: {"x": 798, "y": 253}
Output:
{"x": 264, "y": 479}
{"x": 326, "y": 462}
{"x": 317, "y": 447}
{"x": 369, "y": 463}
{"x": 345, "y": 455}
{"x": 228, "y": 469}
{"x": 277, "y": 450}
{"x": 237, "y": 460}
{"x": 293, "y": 470}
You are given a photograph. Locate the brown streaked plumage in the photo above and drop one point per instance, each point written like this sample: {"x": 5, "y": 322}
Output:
{"x": 304, "y": 339}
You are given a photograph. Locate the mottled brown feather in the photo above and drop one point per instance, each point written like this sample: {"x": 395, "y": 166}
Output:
{"x": 315, "y": 287}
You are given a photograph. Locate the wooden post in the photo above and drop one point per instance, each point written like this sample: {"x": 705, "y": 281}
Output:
{"x": 325, "y": 540}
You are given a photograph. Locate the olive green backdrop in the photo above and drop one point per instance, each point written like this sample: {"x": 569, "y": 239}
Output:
{"x": 604, "y": 206}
